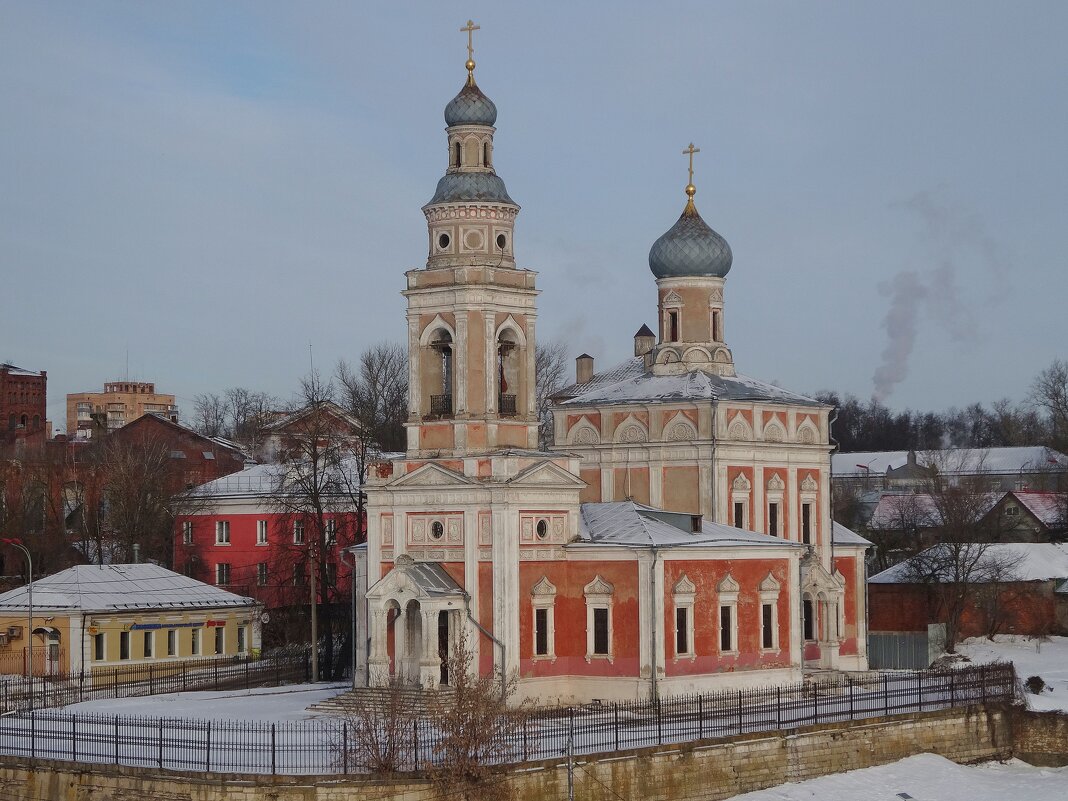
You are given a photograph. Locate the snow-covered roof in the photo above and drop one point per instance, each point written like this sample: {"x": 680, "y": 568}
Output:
{"x": 633, "y": 524}
{"x": 260, "y": 480}
{"x": 1048, "y": 507}
{"x": 1014, "y": 460}
{"x": 629, "y": 382}
{"x": 119, "y": 588}
{"x": 1030, "y": 561}
{"x": 840, "y": 535}
{"x": 905, "y": 510}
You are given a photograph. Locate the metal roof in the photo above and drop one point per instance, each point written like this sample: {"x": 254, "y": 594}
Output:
{"x": 630, "y": 523}
{"x": 119, "y": 588}
{"x": 840, "y": 535}
{"x": 951, "y": 460}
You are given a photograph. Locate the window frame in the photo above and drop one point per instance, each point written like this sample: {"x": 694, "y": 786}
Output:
{"x": 683, "y": 596}
{"x": 543, "y": 599}
{"x": 100, "y": 647}
{"x": 148, "y": 645}
{"x": 261, "y": 532}
{"x": 124, "y": 646}
{"x": 222, "y": 574}
{"x": 196, "y": 640}
{"x": 298, "y": 532}
{"x": 262, "y": 573}
{"x": 187, "y": 532}
{"x": 599, "y": 595}
{"x": 172, "y": 642}
{"x": 220, "y": 640}
{"x": 727, "y": 600}
{"x": 222, "y": 532}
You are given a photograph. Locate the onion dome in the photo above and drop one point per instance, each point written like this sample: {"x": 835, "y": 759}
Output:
{"x": 470, "y": 107}
{"x": 690, "y": 247}
{"x": 471, "y": 186}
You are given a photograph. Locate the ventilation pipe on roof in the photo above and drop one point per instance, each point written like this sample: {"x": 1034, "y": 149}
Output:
{"x": 136, "y": 553}
{"x": 584, "y": 369}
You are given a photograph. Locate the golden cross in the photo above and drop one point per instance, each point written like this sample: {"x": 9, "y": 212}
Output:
{"x": 690, "y": 151}
{"x": 470, "y": 29}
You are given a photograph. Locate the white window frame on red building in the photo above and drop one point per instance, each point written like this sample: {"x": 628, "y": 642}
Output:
{"x": 599, "y": 594}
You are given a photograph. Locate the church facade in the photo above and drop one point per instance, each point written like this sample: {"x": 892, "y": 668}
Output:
{"x": 676, "y": 538}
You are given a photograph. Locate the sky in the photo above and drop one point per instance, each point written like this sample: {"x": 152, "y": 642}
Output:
{"x": 193, "y": 193}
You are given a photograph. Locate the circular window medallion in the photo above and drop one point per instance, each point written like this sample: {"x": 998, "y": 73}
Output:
{"x": 443, "y": 241}
{"x": 502, "y": 240}
{"x": 437, "y": 530}
{"x": 473, "y": 240}
{"x": 542, "y": 528}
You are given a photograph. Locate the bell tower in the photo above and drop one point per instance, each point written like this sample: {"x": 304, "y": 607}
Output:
{"x": 471, "y": 312}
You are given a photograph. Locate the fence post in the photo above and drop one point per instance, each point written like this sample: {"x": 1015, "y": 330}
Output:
{"x": 778, "y": 707}
{"x": 659, "y": 722}
{"x": 33, "y": 736}
{"x": 73, "y": 739}
{"x": 700, "y": 718}
{"x": 161, "y": 742}
{"x": 571, "y": 724}
{"x": 740, "y": 724}
{"x": 207, "y": 757}
{"x": 615, "y": 715}
{"x": 851, "y": 701}
{"x": 816, "y": 701}
{"x": 886, "y": 695}
{"x": 116, "y": 739}
{"x": 952, "y": 691}
{"x": 919, "y": 689}
{"x": 415, "y": 743}
{"x": 344, "y": 742}
{"x": 273, "y": 762}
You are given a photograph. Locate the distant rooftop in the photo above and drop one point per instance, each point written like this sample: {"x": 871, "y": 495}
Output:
{"x": 961, "y": 461}
{"x": 114, "y": 588}
{"x": 13, "y": 370}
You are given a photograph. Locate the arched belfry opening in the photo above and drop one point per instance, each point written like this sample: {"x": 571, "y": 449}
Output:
{"x": 455, "y": 160}
{"x": 438, "y": 374}
{"x": 508, "y": 373}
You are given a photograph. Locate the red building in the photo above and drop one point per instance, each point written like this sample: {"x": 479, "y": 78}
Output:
{"x": 22, "y": 403}
{"x": 244, "y": 538}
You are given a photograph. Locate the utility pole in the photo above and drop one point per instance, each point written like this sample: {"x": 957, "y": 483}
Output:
{"x": 570, "y": 766}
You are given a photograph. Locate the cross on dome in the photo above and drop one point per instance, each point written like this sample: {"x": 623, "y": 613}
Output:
{"x": 691, "y": 190}
{"x": 470, "y": 29}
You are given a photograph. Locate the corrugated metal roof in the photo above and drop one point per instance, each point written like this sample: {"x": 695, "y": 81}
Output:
{"x": 113, "y": 588}
{"x": 433, "y": 579}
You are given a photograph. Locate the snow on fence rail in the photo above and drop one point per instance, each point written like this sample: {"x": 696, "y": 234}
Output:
{"x": 127, "y": 681}
{"x": 328, "y": 745}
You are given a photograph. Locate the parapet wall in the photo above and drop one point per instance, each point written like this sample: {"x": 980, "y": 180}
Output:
{"x": 702, "y": 771}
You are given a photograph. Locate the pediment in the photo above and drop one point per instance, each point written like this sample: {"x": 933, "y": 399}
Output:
{"x": 684, "y": 586}
{"x": 769, "y": 584}
{"x": 672, "y": 297}
{"x": 809, "y": 484}
{"x": 546, "y": 474}
{"x": 410, "y": 579}
{"x": 598, "y": 587}
{"x": 816, "y": 578}
{"x": 727, "y": 585}
{"x": 776, "y": 484}
{"x": 431, "y": 475}
{"x": 543, "y": 589}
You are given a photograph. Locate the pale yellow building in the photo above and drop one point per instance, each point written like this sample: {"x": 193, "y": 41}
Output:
{"x": 90, "y": 617}
{"x": 120, "y": 403}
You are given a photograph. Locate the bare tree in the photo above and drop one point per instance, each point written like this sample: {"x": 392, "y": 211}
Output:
{"x": 209, "y": 415}
{"x": 965, "y": 559}
{"x": 376, "y": 394}
{"x": 478, "y": 728}
{"x": 380, "y": 731}
{"x": 31, "y": 504}
{"x": 550, "y": 371}
{"x": 318, "y": 495}
{"x": 1049, "y": 393}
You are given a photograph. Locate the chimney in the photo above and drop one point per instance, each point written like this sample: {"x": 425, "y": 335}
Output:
{"x": 584, "y": 369}
{"x": 136, "y": 553}
{"x": 644, "y": 341}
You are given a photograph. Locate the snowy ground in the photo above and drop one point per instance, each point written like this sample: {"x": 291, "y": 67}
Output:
{"x": 289, "y": 702}
{"x": 927, "y": 778}
{"x": 1032, "y": 658}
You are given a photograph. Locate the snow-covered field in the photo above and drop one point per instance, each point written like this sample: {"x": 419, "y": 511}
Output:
{"x": 289, "y": 702}
{"x": 927, "y": 778}
{"x": 1032, "y": 657}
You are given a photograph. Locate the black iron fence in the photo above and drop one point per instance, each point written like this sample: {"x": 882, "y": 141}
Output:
{"x": 331, "y": 745}
{"x": 124, "y": 681}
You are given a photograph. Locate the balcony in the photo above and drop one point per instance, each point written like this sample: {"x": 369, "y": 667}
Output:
{"x": 506, "y": 405}
{"x": 441, "y": 405}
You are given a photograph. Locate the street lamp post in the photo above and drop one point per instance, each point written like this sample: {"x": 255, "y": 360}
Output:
{"x": 29, "y": 614}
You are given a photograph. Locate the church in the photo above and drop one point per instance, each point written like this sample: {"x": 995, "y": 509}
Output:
{"x": 677, "y": 536}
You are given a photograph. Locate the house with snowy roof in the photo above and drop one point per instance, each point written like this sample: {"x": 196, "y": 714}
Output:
{"x": 677, "y": 535}
{"x": 90, "y": 617}
{"x": 1016, "y": 588}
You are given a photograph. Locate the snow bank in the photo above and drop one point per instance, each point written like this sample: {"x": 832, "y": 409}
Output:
{"x": 1032, "y": 657}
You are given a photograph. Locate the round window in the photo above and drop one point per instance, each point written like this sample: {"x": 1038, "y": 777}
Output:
{"x": 443, "y": 241}
{"x": 542, "y": 528}
{"x": 502, "y": 240}
{"x": 437, "y": 530}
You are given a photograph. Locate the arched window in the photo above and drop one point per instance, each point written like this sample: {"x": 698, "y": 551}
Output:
{"x": 441, "y": 399}
{"x": 485, "y": 154}
{"x": 507, "y": 373}
{"x": 673, "y": 326}
{"x": 717, "y": 333}
{"x": 456, "y": 155}
{"x": 23, "y": 420}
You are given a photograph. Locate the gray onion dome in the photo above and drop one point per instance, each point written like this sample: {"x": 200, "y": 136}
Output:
{"x": 470, "y": 107}
{"x": 690, "y": 247}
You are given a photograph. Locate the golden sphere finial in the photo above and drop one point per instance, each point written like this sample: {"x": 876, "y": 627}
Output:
{"x": 691, "y": 190}
{"x": 470, "y": 65}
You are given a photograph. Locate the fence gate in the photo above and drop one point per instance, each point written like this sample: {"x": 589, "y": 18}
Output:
{"x": 906, "y": 650}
